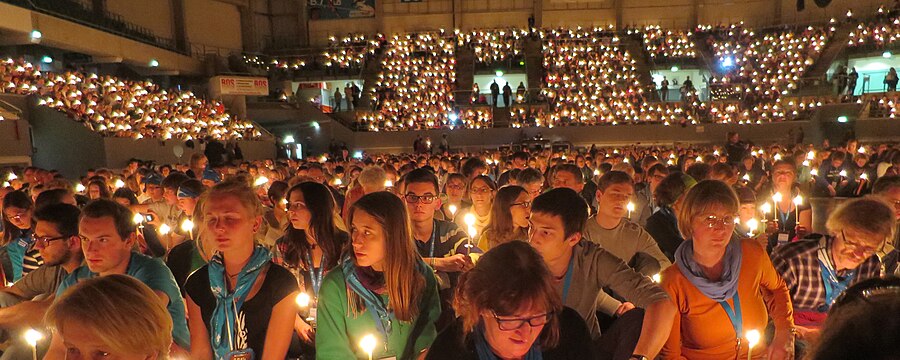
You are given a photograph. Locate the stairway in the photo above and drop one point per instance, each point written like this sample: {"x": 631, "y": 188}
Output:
{"x": 370, "y": 78}
{"x": 500, "y": 117}
{"x": 635, "y": 48}
{"x": 534, "y": 65}
{"x": 465, "y": 75}
{"x": 833, "y": 48}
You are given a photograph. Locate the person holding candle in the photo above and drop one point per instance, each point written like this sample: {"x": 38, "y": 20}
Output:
{"x": 481, "y": 191}
{"x": 313, "y": 242}
{"x": 455, "y": 189}
{"x": 194, "y": 250}
{"x": 509, "y": 217}
{"x": 383, "y": 288}
{"x": 509, "y": 310}
{"x": 829, "y": 179}
{"x": 240, "y": 304}
{"x": 617, "y": 234}
{"x": 90, "y": 317}
{"x": 16, "y": 253}
{"x": 97, "y": 189}
{"x": 789, "y": 221}
{"x": 721, "y": 285}
{"x": 816, "y": 271}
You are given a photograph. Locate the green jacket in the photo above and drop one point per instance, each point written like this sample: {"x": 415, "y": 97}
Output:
{"x": 338, "y": 332}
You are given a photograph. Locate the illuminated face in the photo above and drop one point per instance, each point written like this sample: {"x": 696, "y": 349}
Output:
{"x": 422, "y": 209}
{"x": 187, "y": 204}
{"x": 368, "y": 240}
{"x": 713, "y": 228}
{"x": 511, "y": 335}
{"x": 230, "y": 224}
{"x": 852, "y": 247}
{"x": 481, "y": 193}
{"x": 54, "y": 248}
{"x": 298, "y": 213}
{"x": 81, "y": 344}
{"x": 105, "y": 251}
{"x": 893, "y": 197}
{"x": 19, "y": 217}
{"x": 547, "y": 236}
{"x": 520, "y": 210}
{"x": 455, "y": 189}
{"x": 565, "y": 179}
{"x": 613, "y": 202}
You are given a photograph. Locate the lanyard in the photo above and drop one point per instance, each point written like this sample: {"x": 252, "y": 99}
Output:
{"x": 431, "y": 241}
{"x": 783, "y": 217}
{"x": 315, "y": 276}
{"x": 735, "y": 316}
{"x": 568, "y": 279}
{"x": 833, "y": 286}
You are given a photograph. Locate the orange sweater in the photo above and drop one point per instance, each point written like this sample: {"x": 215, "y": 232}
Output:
{"x": 702, "y": 329}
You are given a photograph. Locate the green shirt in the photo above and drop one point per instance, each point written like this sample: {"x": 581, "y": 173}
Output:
{"x": 338, "y": 332}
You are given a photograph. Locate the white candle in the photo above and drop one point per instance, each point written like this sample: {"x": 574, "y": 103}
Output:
{"x": 303, "y": 300}
{"x": 630, "y": 208}
{"x": 32, "y": 336}
{"x": 188, "y": 226}
{"x": 752, "y": 339}
{"x": 368, "y": 344}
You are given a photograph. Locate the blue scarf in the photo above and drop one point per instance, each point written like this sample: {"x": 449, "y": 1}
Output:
{"x": 225, "y": 314}
{"x": 485, "y": 353}
{"x": 720, "y": 290}
{"x": 380, "y": 314}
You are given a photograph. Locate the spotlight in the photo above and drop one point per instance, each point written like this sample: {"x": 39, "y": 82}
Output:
{"x": 154, "y": 63}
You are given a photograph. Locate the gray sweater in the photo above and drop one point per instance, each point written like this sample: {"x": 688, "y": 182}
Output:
{"x": 594, "y": 268}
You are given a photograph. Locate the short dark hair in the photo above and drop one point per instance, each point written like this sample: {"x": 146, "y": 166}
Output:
{"x": 886, "y": 183}
{"x": 612, "y": 178}
{"x": 565, "y": 203}
{"x": 63, "y": 216}
{"x": 422, "y": 175}
{"x": 571, "y": 169}
{"x": 470, "y": 165}
{"x": 670, "y": 189}
{"x": 122, "y": 216}
{"x": 51, "y": 196}
{"x": 699, "y": 171}
{"x": 174, "y": 180}
{"x": 529, "y": 175}
{"x": 658, "y": 168}
{"x": 519, "y": 155}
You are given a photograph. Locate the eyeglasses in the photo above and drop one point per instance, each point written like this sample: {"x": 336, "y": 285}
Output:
{"x": 17, "y": 216}
{"x": 425, "y": 199}
{"x": 726, "y": 221}
{"x": 896, "y": 203}
{"x": 524, "y": 204}
{"x": 515, "y": 324}
{"x": 46, "y": 240}
{"x": 857, "y": 248}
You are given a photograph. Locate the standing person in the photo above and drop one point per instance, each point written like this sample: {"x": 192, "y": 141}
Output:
{"x": 582, "y": 269}
{"x": 383, "y": 288}
{"x": 817, "y": 271}
{"x": 16, "y": 252}
{"x": 348, "y": 95}
{"x": 108, "y": 237}
{"x": 507, "y": 95}
{"x": 891, "y": 79}
{"x": 313, "y": 242}
{"x": 240, "y": 304}
{"x": 716, "y": 278}
{"x": 735, "y": 148}
{"x": 664, "y": 89}
{"x": 495, "y": 93}
{"x": 509, "y": 309}
{"x": 337, "y": 99}
{"x": 356, "y": 92}
{"x": 852, "y": 78}
{"x": 509, "y": 217}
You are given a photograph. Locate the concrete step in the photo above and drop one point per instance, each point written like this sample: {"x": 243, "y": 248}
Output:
{"x": 834, "y": 48}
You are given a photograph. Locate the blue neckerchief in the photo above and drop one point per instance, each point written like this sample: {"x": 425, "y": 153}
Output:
{"x": 17, "y": 249}
{"x": 382, "y": 317}
{"x": 833, "y": 286}
{"x": 315, "y": 277}
{"x": 484, "y": 349}
{"x": 222, "y": 324}
{"x": 720, "y": 290}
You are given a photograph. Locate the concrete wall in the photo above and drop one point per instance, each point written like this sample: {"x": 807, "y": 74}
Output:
{"x": 155, "y": 15}
{"x": 63, "y": 144}
{"x": 15, "y": 135}
{"x": 215, "y": 23}
{"x": 120, "y": 150}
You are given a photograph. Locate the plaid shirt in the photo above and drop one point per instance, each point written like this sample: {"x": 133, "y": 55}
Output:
{"x": 798, "y": 264}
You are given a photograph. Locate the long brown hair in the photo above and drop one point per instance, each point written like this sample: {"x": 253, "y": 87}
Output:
{"x": 501, "y": 228}
{"x": 403, "y": 282}
{"x": 505, "y": 279}
{"x": 321, "y": 206}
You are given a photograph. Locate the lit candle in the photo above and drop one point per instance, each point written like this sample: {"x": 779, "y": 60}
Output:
{"x": 752, "y": 339}
{"x": 388, "y": 184}
{"x": 630, "y": 208}
{"x": 338, "y": 182}
{"x": 119, "y": 184}
{"x": 303, "y": 300}
{"x": 368, "y": 344}
{"x": 469, "y": 219}
{"x": 797, "y": 202}
{"x": 452, "y": 209}
{"x": 752, "y": 224}
{"x": 11, "y": 177}
{"x": 188, "y": 226}
{"x": 473, "y": 232}
{"x": 746, "y": 177}
{"x": 655, "y": 278}
{"x": 139, "y": 221}
{"x": 164, "y": 229}
{"x": 260, "y": 181}
{"x": 32, "y": 336}
{"x": 776, "y": 198}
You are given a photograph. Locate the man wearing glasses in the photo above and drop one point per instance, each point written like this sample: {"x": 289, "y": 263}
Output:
{"x": 442, "y": 244}
{"x": 108, "y": 236}
{"x": 817, "y": 271}
{"x": 24, "y": 304}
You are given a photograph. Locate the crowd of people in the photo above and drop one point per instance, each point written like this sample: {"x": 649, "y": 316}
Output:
{"x": 112, "y": 106}
{"x": 494, "y": 45}
{"x": 879, "y": 32}
{"x": 415, "y": 87}
{"x": 593, "y": 253}
{"x": 667, "y": 44}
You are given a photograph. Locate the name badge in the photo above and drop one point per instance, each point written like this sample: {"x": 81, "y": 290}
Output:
{"x": 246, "y": 354}
{"x": 312, "y": 313}
{"x": 783, "y": 238}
